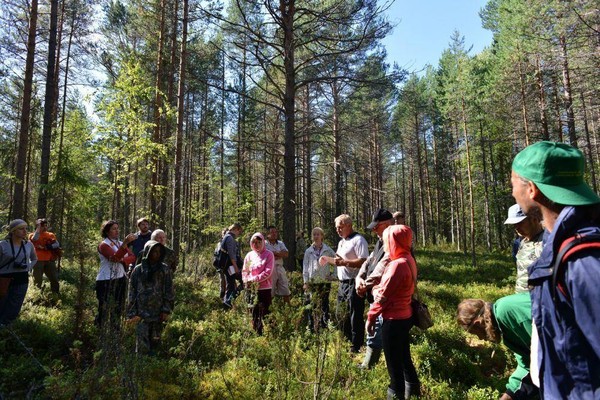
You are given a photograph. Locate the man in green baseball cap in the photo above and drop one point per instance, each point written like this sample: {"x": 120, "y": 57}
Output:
{"x": 548, "y": 181}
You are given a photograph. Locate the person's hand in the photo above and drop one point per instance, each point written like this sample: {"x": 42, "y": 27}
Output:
{"x": 163, "y": 317}
{"x": 359, "y": 284}
{"x": 370, "y": 327}
{"x": 134, "y": 320}
{"x": 129, "y": 238}
{"x": 361, "y": 291}
{"x": 305, "y": 287}
{"x": 505, "y": 396}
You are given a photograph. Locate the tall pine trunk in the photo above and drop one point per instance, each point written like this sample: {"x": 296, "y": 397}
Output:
{"x": 18, "y": 210}
{"x": 470, "y": 180}
{"x": 179, "y": 138}
{"x": 49, "y": 99}
{"x": 156, "y": 196}
{"x": 568, "y": 97}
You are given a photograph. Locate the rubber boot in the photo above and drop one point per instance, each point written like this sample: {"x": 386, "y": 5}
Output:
{"x": 371, "y": 358}
{"x": 391, "y": 394}
{"x": 412, "y": 389}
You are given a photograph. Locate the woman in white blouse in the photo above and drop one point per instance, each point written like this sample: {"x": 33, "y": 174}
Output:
{"x": 317, "y": 280}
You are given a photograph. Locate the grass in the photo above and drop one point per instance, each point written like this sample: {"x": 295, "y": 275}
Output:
{"x": 208, "y": 353}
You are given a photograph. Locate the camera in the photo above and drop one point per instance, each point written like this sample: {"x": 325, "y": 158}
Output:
{"x": 20, "y": 265}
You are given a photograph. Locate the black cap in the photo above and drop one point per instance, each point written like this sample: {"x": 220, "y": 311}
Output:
{"x": 379, "y": 216}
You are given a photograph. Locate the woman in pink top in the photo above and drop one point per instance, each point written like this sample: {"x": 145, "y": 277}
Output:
{"x": 392, "y": 301}
{"x": 256, "y": 273}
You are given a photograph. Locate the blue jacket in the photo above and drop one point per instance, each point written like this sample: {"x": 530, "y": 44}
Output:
{"x": 569, "y": 330}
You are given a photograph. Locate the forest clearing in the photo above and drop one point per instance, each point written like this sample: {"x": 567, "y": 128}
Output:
{"x": 208, "y": 353}
{"x": 236, "y": 121}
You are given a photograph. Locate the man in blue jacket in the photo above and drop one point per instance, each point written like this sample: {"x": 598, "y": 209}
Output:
{"x": 547, "y": 180}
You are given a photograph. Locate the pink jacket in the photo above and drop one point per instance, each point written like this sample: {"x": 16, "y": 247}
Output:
{"x": 394, "y": 292}
{"x": 258, "y": 266}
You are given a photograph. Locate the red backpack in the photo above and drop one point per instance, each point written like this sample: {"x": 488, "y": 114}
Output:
{"x": 570, "y": 246}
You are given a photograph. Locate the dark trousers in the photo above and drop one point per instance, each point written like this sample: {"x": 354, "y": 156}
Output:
{"x": 111, "y": 300}
{"x": 232, "y": 289}
{"x": 148, "y": 336}
{"x": 260, "y": 309}
{"x": 350, "y": 311}
{"x": 48, "y": 268}
{"x": 223, "y": 283}
{"x": 10, "y": 305}
{"x": 318, "y": 297}
{"x": 396, "y": 347}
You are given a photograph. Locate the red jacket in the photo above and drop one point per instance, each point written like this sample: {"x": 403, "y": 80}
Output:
{"x": 394, "y": 292}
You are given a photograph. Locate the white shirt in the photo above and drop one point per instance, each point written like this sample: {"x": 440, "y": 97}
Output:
{"x": 108, "y": 269}
{"x": 311, "y": 269}
{"x": 353, "y": 247}
{"x": 279, "y": 246}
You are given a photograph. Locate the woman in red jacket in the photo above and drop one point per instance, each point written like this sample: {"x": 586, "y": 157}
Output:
{"x": 111, "y": 281}
{"x": 392, "y": 301}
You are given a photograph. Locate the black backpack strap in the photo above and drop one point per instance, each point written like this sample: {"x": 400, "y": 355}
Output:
{"x": 569, "y": 247}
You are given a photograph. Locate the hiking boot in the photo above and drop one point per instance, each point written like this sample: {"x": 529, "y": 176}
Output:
{"x": 412, "y": 389}
{"x": 391, "y": 394}
{"x": 371, "y": 358}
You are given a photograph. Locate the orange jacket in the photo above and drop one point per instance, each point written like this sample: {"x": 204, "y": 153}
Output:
{"x": 44, "y": 239}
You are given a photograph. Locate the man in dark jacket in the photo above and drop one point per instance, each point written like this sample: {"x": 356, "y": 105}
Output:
{"x": 233, "y": 268}
{"x": 143, "y": 235}
{"x": 150, "y": 296}
{"x": 548, "y": 181}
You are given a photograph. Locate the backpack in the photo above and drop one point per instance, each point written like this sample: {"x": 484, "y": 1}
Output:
{"x": 569, "y": 247}
{"x": 220, "y": 257}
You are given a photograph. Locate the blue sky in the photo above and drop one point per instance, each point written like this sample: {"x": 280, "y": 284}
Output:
{"x": 423, "y": 30}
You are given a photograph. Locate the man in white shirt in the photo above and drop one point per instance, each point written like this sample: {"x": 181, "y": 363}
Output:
{"x": 352, "y": 251}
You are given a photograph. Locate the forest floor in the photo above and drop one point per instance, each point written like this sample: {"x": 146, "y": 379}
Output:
{"x": 53, "y": 351}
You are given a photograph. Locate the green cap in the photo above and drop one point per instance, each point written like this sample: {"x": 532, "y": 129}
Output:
{"x": 557, "y": 170}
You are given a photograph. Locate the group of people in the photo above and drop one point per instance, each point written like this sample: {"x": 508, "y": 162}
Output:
{"x": 552, "y": 322}
{"x": 386, "y": 277}
{"x": 135, "y": 278}
{"x": 135, "y": 275}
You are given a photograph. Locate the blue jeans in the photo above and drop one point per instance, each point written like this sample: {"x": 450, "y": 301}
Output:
{"x": 10, "y": 305}
{"x": 376, "y": 341}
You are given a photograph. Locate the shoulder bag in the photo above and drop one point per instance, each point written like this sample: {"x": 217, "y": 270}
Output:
{"x": 421, "y": 316}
